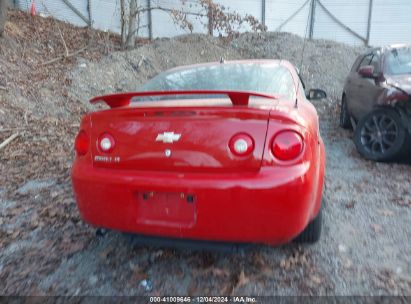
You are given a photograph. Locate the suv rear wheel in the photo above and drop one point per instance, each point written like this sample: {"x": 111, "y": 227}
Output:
{"x": 380, "y": 135}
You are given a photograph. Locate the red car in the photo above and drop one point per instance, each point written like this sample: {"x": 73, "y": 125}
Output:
{"x": 226, "y": 151}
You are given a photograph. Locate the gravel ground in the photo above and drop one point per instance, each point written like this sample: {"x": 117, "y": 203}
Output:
{"x": 47, "y": 250}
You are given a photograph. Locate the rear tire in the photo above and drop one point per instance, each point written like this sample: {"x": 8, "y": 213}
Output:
{"x": 345, "y": 121}
{"x": 312, "y": 233}
{"x": 380, "y": 135}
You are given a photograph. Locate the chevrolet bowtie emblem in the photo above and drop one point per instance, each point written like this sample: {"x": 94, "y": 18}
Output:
{"x": 168, "y": 137}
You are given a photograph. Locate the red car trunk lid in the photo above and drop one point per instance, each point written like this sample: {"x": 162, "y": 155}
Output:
{"x": 194, "y": 139}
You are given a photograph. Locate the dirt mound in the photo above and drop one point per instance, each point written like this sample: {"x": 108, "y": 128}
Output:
{"x": 325, "y": 63}
{"x": 35, "y": 55}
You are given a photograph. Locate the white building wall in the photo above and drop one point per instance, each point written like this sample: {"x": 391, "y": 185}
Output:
{"x": 277, "y": 12}
{"x": 162, "y": 22}
{"x": 105, "y": 15}
{"x": 58, "y": 9}
{"x": 353, "y": 13}
{"x": 390, "y": 23}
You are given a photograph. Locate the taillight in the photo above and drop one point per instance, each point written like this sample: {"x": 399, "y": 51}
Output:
{"x": 241, "y": 144}
{"x": 106, "y": 143}
{"x": 81, "y": 143}
{"x": 287, "y": 145}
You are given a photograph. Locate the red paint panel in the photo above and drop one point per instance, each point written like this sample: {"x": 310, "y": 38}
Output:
{"x": 257, "y": 198}
{"x": 271, "y": 206}
{"x": 202, "y": 146}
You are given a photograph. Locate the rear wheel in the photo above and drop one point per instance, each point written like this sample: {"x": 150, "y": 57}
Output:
{"x": 380, "y": 135}
{"x": 312, "y": 232}
{"x": 345, "y": 121}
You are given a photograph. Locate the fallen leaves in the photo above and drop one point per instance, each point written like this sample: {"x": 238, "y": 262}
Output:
{"x": 233, "y": 283}
{"x": 316, "y": 279}
{"x": 139, "y": 274}
{"x": 297, "y": 259}
{"x": 347, "y": 263}
{"x": 377, "y": 228}
{"x": 267, "y": 271}
{"x": 68, "y": 247}
{"x": 242, "y": 280}
{"x": 34, "y": 221}
{"x": 218, "y": 272}
{"x": 350, "y": 204}
{"x": 14, "y": 235}
{"x": 402, "y": 200}
{"x": 390, "y": 282}
{"x": 386, "y": 212}
{"x": 49, "y": 212}
{"x": 106, "y": 252}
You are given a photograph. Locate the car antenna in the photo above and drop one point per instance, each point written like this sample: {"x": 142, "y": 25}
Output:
{"x": 302, "y": 56}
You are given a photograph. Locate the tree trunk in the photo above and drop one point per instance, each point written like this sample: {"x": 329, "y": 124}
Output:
{"x": 3, "y": 15}
{"x": 132, "y": 25}
{"x": 123, "y": 22}
{"x": 210, "y": 24}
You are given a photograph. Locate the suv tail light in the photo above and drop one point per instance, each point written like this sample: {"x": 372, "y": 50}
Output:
{"x": 106, "y": 143}
{"x": 241, "y": 144}
{"x": 82, "y": 143}
{"x": 287, "y": 145}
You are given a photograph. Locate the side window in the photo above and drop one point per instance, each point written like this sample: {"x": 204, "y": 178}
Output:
{"x": 366, "y": 61}
{"x": 375, "y": 62}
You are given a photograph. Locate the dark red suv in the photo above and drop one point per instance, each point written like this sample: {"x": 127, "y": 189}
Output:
{"x": 376, "y": 101}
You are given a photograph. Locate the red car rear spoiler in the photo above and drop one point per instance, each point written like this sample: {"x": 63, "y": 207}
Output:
{"x": 238, "y": 98}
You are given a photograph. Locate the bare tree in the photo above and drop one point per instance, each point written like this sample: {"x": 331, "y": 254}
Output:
{"x": 132, "y": 24}
{"x": 3, "y": 15}
{"x": 123, "y": 22}
{"x": 218, "y": 18}
{"x": 129, "y": 14}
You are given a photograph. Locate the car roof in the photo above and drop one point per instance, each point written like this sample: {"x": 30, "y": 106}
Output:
{"x": 387, "y": 48}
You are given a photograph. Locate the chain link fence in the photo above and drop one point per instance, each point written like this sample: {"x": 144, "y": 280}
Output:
{"x": 355, "y": 22}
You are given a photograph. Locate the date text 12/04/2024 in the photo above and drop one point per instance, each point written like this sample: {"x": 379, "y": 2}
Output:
{"x": 203, "y": 299}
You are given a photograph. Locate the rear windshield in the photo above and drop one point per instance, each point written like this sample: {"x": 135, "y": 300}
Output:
{"x": 268, "y": 78}
{"x": 398, "y": 61}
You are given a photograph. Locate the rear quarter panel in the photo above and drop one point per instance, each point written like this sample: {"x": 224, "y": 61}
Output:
{"x": 304, "y": 120}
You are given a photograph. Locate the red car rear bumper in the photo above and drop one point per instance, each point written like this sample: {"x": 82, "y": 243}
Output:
{"x": 271, "y": 206}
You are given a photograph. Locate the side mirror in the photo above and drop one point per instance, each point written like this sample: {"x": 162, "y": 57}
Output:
{"x": 315, "y": 94}
{"x": 367, "y": 71}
